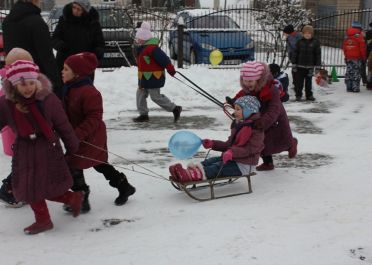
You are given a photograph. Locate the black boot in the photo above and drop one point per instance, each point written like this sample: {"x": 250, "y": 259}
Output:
{"x": 117, "y": 180}
{"x": 80, "y": 185}
{"x": 142, "y": 118}
{"x": 177, "y": 113}
{"x": 6, "y": 194}
{"x": 124, "y": 188}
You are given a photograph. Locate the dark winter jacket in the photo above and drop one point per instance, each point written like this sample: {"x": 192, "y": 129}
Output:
{"x": 278, "y": 134}
{"x": 369, "y": 41}
{"x": 307, "y": 53}
{"x": 84, "y": 107}
{"x": 25, "y": 28}
{"x": 39, "y": 168}
{"x": 152, "y": 62}
{"x": 77, "y": 34}
{"x": 245, "y": 143}
{"x": 354, "y": 45}
{"x": 284, "y": 81}
{"x": 292, "y": 40}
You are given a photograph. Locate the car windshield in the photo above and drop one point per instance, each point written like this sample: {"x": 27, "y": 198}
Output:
{"x": 114, "y": 18}
{"x": 213, "y": 22}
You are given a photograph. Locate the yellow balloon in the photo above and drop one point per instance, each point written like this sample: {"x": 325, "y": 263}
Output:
{"x": 215, "y": 57}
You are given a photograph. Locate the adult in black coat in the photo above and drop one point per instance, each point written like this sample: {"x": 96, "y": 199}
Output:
{"x": 25, "y": 28}
{"x": 78, "y": 30}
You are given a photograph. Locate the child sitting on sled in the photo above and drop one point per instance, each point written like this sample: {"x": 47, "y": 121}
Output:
{"x": 240, "y": 153}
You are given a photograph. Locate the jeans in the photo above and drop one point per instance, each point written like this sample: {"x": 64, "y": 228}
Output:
{"x": 212, "y": 167}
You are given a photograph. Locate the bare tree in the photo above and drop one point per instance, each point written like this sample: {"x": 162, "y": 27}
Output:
{"x": 277, "y": 14}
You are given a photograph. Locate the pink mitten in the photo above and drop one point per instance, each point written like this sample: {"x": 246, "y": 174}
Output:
{"x": 227, "y": 156}
{"x": 207, "y": 143}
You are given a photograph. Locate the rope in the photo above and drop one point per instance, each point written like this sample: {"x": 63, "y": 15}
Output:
{"x": 200, "y": 90}
{"x": 154, "y": 174}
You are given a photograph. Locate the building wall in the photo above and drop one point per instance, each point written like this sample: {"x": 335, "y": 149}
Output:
{"x": 348, "y": 4}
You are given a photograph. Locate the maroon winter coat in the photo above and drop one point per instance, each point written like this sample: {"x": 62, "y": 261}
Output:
{"x": 39, "y": 168}
{"x": 278, "y": 134}
{"x": 250, "y": 152}
{"x": 84, "y": 107}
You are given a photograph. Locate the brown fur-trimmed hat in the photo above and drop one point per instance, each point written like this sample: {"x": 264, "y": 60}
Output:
{"x": 309, "y": 29}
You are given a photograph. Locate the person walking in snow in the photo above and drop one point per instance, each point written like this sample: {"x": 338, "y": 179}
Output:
{"x": 306, "y": 57}
{"x": 369, "y": 56}
{"x": 355, "y": 50}
{"x": 240, "y": 153}
{"x": 6, "y": 193}
{"x": 256, "y": 80}
{"x": 84, "y": 108}
{"x": 39, "y": 168}
{"x": 363, "y": 74}
{"x": 292, "y": 37}
{"x": 152, "y": 62}
{"x": 78, "y": 30}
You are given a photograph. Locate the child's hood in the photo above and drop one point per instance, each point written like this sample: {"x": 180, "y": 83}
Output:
{"x": 353, "y": 32}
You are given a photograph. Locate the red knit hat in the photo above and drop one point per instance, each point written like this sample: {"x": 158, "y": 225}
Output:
{"x": 82, "y": 64}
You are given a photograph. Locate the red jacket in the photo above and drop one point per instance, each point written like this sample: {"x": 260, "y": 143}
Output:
{"x": 39, "y": 169}
{"x": 278, "y": 134}
{"x": 84, "y": 109}
{"x": 354, "y": 45}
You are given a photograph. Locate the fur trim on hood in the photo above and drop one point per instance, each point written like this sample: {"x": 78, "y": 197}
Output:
{"x": 41, "y": 93}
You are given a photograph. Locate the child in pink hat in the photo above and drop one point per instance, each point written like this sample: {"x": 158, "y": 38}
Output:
{"x": 256, "y": 80}
{"x": 39, "y": 169}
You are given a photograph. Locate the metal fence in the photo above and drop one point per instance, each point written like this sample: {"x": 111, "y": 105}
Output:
{"x": 329, "y": 30}
{"x": 229, "y": 30}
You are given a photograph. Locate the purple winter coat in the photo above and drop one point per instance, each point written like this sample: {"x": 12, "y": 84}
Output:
{"x": 278, "y": 134}
{"x": 39, "y": 169}
{"x": 250, "y": 152}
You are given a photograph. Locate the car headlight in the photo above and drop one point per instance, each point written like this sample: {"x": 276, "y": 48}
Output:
{"x": 207, "y": 46}
{"x": 250, "y": 45}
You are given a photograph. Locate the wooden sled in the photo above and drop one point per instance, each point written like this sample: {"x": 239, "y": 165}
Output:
{"x": 192, "y": 186}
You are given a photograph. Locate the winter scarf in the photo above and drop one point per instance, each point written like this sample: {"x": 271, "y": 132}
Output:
{"x": 33, "y": 121}
{"x": 76, "y": 83}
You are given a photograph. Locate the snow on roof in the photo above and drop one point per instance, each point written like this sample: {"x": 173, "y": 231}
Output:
{"x": 198, "y": 12}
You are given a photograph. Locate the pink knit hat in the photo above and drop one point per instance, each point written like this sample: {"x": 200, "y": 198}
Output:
{"x": 20, "y": 71}
{"x": 144, "y": 32}
{"x": 252, "y": 71}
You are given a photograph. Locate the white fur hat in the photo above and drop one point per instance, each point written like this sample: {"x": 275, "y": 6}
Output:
{"x": 144, "y": 32}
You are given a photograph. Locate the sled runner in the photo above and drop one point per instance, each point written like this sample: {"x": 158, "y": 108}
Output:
{"x": 191, "y": 187}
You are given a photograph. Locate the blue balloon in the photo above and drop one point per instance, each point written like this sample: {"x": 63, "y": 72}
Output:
{"x": 184, "y": 144}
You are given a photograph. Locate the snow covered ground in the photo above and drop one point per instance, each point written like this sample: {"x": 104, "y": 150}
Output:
{"x": 312, "y": 210}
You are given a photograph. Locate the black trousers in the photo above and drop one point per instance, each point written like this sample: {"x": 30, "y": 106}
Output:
{"x": 303, "y": 76}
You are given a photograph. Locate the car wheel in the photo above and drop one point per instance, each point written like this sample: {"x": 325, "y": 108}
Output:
{"x": 193, "y": 57}
{"x": 172, "y": 52}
